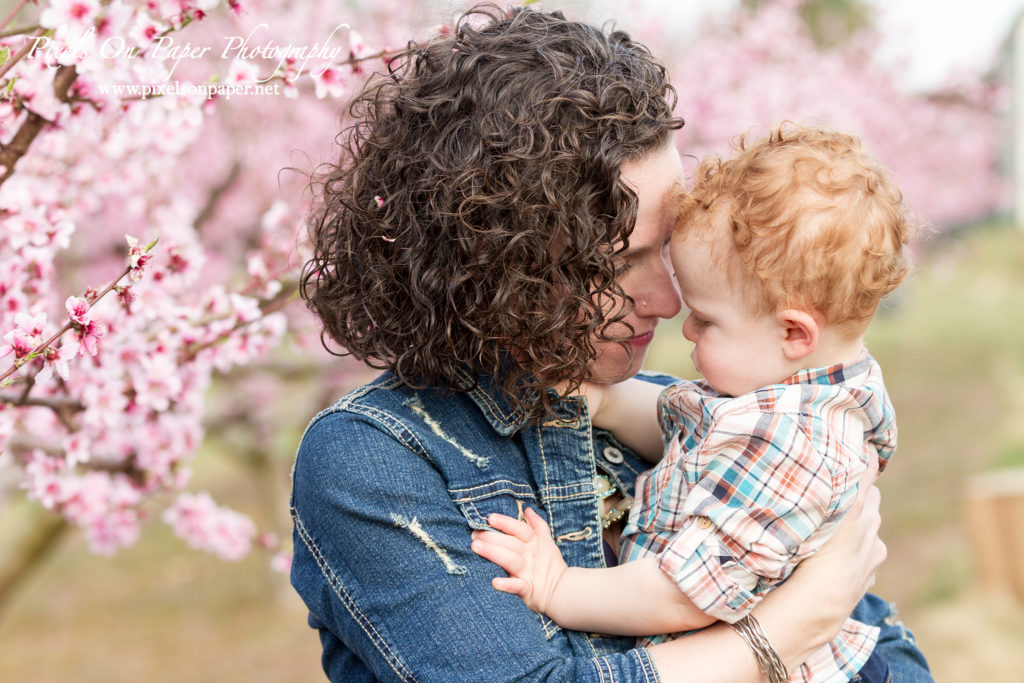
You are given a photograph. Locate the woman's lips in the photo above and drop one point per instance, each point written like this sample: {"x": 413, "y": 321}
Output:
{"x": 642, "y": 340}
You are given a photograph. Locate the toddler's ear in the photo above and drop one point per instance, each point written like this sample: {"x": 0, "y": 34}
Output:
{"x": 800, "y": 333}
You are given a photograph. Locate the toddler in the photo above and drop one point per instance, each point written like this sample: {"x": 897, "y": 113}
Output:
{"x": 782, "y": 254}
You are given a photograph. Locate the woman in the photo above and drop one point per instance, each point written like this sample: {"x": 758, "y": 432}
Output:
{"x": 496, "y": 228}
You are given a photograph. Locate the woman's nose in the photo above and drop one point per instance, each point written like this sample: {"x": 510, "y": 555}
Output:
{"x": 662, "y": 298}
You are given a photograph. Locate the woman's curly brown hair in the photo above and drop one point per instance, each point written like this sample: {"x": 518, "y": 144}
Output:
{"x": 473, "y": 224}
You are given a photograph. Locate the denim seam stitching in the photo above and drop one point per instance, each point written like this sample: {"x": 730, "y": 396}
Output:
{"x": 545, "y": 623}
{"x": 526, "y": 492}
{"x": 547, "y": 479}
{"x": 491, "y": 405}
{"x": 470, "y": 506}
{"x": 346, "y": 600}
{"x": 586, "y": 487}
{"x": 344, "y": 403}
{"x": 391, "y": 424}
{"x": 583, "y": 495}
{"x": 646, "y": 665}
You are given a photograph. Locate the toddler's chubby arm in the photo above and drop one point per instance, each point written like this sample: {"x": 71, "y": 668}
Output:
{"x": 629, "y": 410}
{"x": 632, "y": 599}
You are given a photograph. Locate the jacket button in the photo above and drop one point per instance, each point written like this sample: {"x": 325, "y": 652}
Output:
{"x": 613, "y": 455}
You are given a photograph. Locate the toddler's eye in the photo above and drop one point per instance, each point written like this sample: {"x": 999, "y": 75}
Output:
{"x": 701, "y": 322}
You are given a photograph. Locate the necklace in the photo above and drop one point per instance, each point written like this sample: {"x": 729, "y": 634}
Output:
{"x": 606, "y": 488}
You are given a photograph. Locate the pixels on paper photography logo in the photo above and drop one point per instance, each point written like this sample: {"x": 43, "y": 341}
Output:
{"x": 252, "y": 64}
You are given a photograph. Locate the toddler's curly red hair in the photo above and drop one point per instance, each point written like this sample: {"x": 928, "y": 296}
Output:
{"x": 814, "y": 223}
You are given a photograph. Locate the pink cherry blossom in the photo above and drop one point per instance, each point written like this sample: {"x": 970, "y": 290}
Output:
{"x": 76, "y": 449}
{"x": 106, "y": 507}
{"x": 145, "y": 30}
{"x": 241, "y": 72}
{"x": 115, "y": 19}
{"x": 157, "y": 381}
{"x": 357, "y": 46}
{"x": 281, "y": 562}
{"x": 25, "y": 337}
{"x": 33, "y": 325}
{"x": 840, "y": 87}
{"x": 267, "y": 540}
{"x": 74, "y": 12}
{"x": 78, "y": 310}
{"x": 127, "y": 297}
{"x": 29, "y": 227}
{"x": 55, "y": 360}
{"x": 87, "y": 337}
{"x": 205, "y": 306}
{"x": 18, "y": 343}
{"x": 137, "y": 258}
{"x": 43, "y": 479}
{"x": 206, "y": 526}
{"x": 328, "y": 81}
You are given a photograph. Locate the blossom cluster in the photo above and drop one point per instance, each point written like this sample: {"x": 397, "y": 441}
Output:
{"x": 108, "y": 345}
{"x": 737, "y": 77}
{"x": 207, "y": 526}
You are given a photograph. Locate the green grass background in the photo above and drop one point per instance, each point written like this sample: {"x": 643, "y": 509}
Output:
{"x": 951, "y": 343}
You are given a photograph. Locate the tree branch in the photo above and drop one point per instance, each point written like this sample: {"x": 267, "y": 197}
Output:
{"x": 215, "y": 196}
{"x": 18, "y": 31}
{"x": 22, "y": 51}
{"x": 67, "y": 326}
{"x": 289, "y": 292}
{"x": 56, "y": 403}
{"x": 33, "y": 124}
{"x": 30, "y": 555}
{"x": 13, "y": 13}
{"x": 20, "y": 446}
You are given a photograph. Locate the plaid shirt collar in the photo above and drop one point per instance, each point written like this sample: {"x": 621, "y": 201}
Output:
{"x": 833, "y": 374}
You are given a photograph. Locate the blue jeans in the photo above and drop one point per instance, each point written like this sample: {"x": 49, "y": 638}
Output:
{"x": 896, "y": 645}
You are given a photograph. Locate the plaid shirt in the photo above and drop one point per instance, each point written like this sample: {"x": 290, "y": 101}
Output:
{"x": 749, "y": 486}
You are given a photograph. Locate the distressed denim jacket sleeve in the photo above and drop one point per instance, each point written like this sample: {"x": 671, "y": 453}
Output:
{"x": 387, "y": 488}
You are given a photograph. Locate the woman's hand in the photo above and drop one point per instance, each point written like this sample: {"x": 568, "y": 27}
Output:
{"x": 823, "y": 590}
{"x": 848, "y": 561}
{"x": 799, "y": 616}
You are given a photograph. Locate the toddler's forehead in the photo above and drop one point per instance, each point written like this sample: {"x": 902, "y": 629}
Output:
{"x": 701, "y": 263}
{"x": 704, "y": 228}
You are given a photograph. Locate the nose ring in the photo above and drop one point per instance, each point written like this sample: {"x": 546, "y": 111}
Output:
{"x": 643, "y": 302}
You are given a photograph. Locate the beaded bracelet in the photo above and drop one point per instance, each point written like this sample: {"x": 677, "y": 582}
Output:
{"x": 767, "y": 658}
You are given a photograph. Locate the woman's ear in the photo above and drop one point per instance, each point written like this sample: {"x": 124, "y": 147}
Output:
{"x": 800, "y": 333}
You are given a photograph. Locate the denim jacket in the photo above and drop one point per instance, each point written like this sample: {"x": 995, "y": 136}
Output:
{"x": 388, "y": 485}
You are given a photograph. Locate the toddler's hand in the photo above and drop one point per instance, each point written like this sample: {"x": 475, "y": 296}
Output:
{"x": 527, "y": 552}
